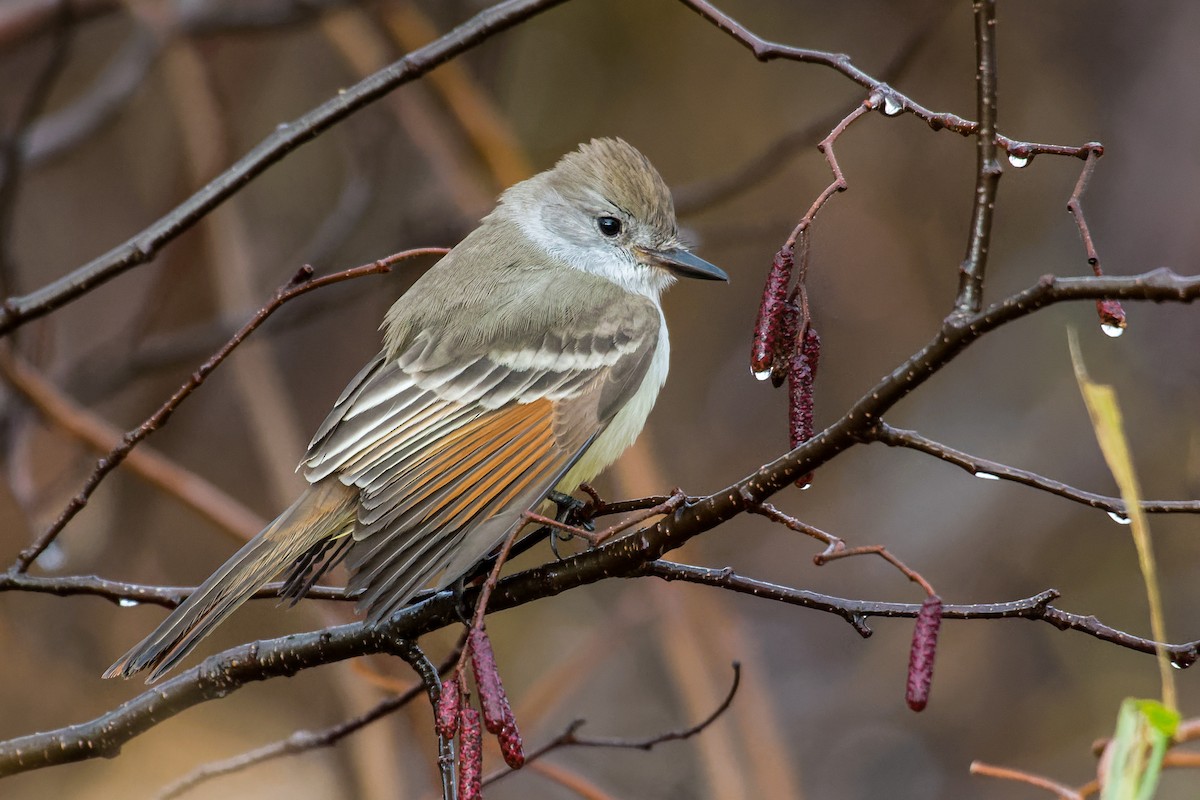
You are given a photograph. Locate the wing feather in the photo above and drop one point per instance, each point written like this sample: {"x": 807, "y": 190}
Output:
{"x": 449, "y": 441}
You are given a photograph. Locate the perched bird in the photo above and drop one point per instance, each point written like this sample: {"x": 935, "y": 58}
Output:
{"x": 526, "y": 359}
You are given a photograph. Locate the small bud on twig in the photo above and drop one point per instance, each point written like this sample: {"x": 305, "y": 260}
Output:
{"x": 770, "y": 311}
{"x": 449, "y": 706}
{"x": 1112, "y": 316}
{"x": 924, "y": 648}
{"x": 470, "y": 756}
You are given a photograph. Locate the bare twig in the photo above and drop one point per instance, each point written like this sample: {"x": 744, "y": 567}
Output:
{"x": 571, "y": 738}
{"x": 132, "y": 594}
{"x": 668, "y": 505}
{"x": 286, "y": 137}
{"x": 992, "y": 771}
{"x": 838, "y": 184}
{"x": 987, "y": 168}
{"x": 301, "y": 283}
{"x": 982, "y": 467}
{"x": 695, "y": 197}
{"x": 299, "y": 742}
{"x": 894, "y": 102}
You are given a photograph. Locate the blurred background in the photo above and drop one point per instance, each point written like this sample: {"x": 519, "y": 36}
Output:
{"x": 155, "y": 98}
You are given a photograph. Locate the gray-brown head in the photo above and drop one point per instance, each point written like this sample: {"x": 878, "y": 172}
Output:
{"x": 604, "y": 209}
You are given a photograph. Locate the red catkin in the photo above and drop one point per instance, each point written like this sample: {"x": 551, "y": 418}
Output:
{"x": 785, "y": 343}
{"x": 511, "y": 746}
{"x": 770, "y": 311}
{"x": 1111, "y": 314}
{"x": 924, "y": 648}
{"x": 470, "y": 756}
{"x": 802, "y": 374}
{"x": 492, "y": 698}
{"x": 497, "y": 713}
{"x": 449, "y": 706}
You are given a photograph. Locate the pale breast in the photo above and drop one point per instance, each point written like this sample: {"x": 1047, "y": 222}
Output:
{"x": 627, "y": 423}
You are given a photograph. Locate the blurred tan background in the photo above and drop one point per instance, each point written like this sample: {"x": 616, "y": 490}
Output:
{"x": 821, "y": 713}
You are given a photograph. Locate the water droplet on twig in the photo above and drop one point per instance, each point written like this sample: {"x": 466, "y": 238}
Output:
{"x": 1120, "y": 519}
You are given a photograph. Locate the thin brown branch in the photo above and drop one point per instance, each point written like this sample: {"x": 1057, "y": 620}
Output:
{"x": 856, "y": 612}
{"x": 1021, "y": 153}
{"x": 836, "y": 547}
{"x": 838, "y": 184}
{"x": 1075, "y": 205}
{"x": 700, "y": 195}
{"x": 833, "y": 543}
{"x": 142, "y": 247}
{"x": 985, "y": 468}
{"x": 571, "y": 738}
{"x": 133, "y": 594}
{"x": 202, "y": 496}
{"x": 1063, "y": 791}
{"x": 301, "y": 741}
{"x": 673, "y": 501}
{"x": 988, "y": 170}
{"x": 894, "y": 102}
{"x": 301, "y": 283}
{"x": 876, "y": 550}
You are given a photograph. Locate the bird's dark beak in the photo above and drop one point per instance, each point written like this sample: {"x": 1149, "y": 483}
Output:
{"x": 686, "y": 265}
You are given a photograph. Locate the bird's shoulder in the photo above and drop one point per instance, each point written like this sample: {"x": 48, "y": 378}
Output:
{"x": 491, "y": 294}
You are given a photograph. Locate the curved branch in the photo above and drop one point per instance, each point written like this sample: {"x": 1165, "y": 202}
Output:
{"x": 216, "y": 677}
{"x": 981, "y": 467}
{"x": 288, "y": 136}
{"x": 135, "y": 594}
{"x": 571, "y": 738}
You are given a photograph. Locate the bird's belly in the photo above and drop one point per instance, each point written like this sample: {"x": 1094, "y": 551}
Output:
{"x": 626, "y": 425}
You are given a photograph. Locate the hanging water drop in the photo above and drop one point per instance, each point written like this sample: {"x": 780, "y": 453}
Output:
{"x": 1019, "y": 160}
{"x": 987, "y": 476}
{"x": 126, "y": 602}
{"x": 1120, "y": 519}
{"x": 761, "y": 374}
{"x": 891, "y": 106}
{"x": 1111, "y": 330}
{"x": 1183, "y": 660}
{"x": 806, "y": 486}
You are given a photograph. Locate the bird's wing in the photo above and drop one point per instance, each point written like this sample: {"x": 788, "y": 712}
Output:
{"x": 448, "y": 444}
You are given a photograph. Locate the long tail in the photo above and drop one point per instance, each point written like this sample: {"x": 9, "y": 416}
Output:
{"x": 324, "y": 511}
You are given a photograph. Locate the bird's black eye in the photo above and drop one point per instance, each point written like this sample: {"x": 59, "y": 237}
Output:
{"x": 609, "y": 226}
